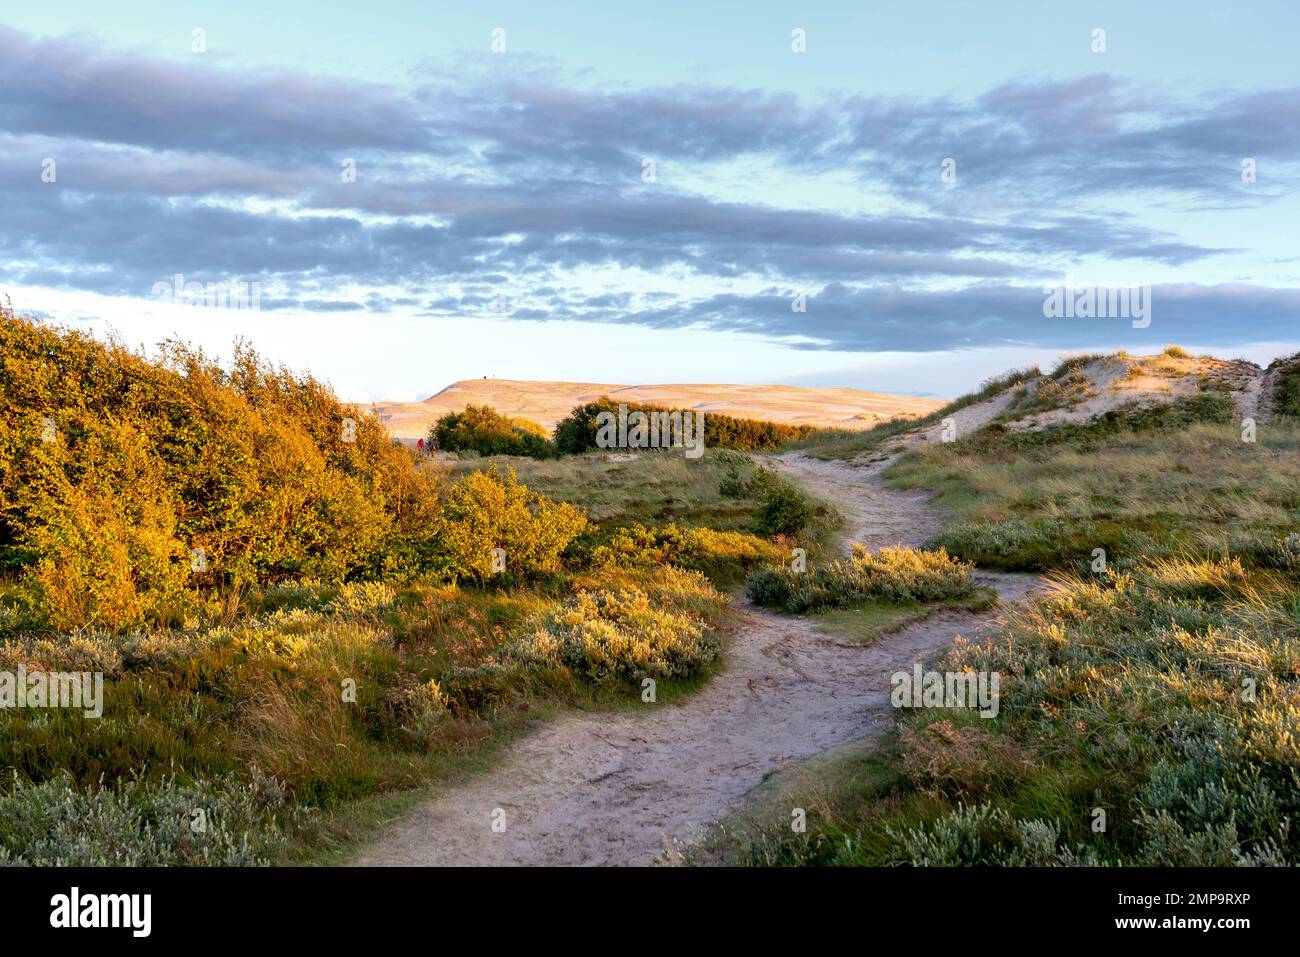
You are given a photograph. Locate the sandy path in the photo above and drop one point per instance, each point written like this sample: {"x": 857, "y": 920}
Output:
{"x": 621, "y": 788}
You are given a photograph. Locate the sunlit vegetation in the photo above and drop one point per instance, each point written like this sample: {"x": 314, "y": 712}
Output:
{"x": 848, "y": 444}
{"x": 1149, "y": 701}
{"x": 293, "y": 613}
{"x": 481, "y": 429}
{"x": 578, "y": 431}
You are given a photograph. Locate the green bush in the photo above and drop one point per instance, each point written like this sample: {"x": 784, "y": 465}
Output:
{"x": 618, "y": 636}
{"x": 481, "y": 429}
{"x": 115, "y": 469}
{"x": 576, "y": 432}
{"x": 492, "y": 509}
{"x": 226, "y": 822}
{"x": 782, "y": 509}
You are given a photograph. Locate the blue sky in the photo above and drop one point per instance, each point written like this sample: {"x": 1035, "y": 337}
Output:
{"x": 500, "y": 222}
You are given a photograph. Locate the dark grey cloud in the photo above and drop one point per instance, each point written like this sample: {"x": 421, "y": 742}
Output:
{"x": 471, "y": 185}
{"x": 842, "y": 318}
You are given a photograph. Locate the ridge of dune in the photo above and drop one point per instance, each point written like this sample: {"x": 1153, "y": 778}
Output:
{"x": 546, "y": 402}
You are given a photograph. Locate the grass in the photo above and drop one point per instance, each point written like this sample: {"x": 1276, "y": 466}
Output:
{"x": 440, "y": 683}
{"x": 894, "y": 576}
{"x": 1286, "y": 400}
{"x": 1147, "y": 711}
{"x": 1147, "y": 483}
{"x": 847, "y": 445}
{"x": 723, "y": 491}
{"x": 649, "y": 487}
{"x": 864, "y": 624}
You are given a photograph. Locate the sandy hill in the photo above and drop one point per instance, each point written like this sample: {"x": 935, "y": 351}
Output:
{"x": 548, "y": 402}
{"x": 1090, "y": 386}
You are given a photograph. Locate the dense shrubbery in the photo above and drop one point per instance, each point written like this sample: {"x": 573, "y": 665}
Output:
{"x": 491, "y": 509}
{"x": 144, "y": 824}
{"x": 701, "y": 549}
{"x": 481, "y": 429}
{"x": 619, "y": 636}
{"x": 135, "y": 490}
{"x": 116, "y": 469}
{"x": 576, "y": 433}
{"x": 896, "y": 575}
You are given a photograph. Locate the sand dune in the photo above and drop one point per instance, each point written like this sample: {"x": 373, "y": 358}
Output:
{"x": 548, "y": 402}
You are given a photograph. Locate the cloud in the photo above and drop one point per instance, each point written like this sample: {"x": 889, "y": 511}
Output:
{"x": 475, "y": 186}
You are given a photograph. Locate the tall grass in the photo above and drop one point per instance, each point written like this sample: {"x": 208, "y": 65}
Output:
{"x": 1148, "y": 704}
{"x": 846, "y": 444}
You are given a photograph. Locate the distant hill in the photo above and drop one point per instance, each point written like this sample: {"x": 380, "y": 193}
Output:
{"x": 548, "y": 402}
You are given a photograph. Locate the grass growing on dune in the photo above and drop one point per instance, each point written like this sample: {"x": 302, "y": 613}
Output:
{"x": 847, "y": 445}
{"x": 651, "y": 487}
{"x": 1164, "y": 483}
{"x": 1148, "y": 710}
{"x": 891, "y": 576}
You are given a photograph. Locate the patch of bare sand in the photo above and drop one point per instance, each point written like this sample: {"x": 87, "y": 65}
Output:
{"x": 623, "y": 788}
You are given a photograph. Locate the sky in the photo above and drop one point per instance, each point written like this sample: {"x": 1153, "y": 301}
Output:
{"x": 874, "y": 195}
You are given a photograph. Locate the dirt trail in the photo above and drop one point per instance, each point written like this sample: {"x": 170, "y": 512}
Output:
{"x": 621, "y": 788}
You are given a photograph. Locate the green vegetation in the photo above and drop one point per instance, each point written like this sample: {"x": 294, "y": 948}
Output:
{"x": 295, "y": 615}
{"x": 626, "y": 488}
{"x": 577, "y": 432}
{"x": 720, "y": 512}
{"x": 1040, "y": 500}
{"x": 846, "y": 444}
{"x": 1286, "y": 396}
{"x": 1058, "y": 391}
{"x": 1161, "y": 689}
{"x": 481, "y": 429}
{"x": 895, "y": 576}
{"x": 864, "y": 623}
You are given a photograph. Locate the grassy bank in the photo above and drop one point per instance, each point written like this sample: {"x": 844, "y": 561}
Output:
{"x": 298, "y": 621}
{"x": 1148, "y": 704}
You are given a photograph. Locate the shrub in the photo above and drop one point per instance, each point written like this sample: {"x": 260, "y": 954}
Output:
{"x": 141, "y": 824}
{"x": 576, "y": 432}
{"x": 618, "y": 636}
{"x": 898, "y": 575}
{"x": 481, "y": 429}
{"x": 106, "y": 541}
{"x": 492, "y": 509}
{"x": 783, "y": 509}
{"x": 1286, "y": 390}
{"x": 716, "y": 553}
{"x": 114, "y": 466}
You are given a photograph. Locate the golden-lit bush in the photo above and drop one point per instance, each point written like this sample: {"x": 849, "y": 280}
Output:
{"x": 492, "y": 510}
{"x": 482, "y": 429}
{"x": 619, "y": 635}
